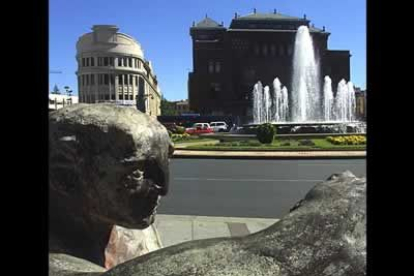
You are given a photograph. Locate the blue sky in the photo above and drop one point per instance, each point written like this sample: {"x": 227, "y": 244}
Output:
{"x": 162, "y": 28}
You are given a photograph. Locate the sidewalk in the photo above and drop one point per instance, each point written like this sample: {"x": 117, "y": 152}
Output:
{"x": 174, "y": 229}
{"x": 268, "y": 154}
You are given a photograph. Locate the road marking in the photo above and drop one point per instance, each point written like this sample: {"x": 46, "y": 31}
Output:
{"x": 245, "y": 180}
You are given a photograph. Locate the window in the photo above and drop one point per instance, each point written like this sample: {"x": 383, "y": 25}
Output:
{"x": 211, "y": 67}
{"x": 131, "y": 97}
{"x": 106, "y": 61}
{"x": 100, "y": 79}
{"x": 83, "y": 79}
{"x": 136, "y": 80}
{"x": 290, "y": 50}
{"x": 83, "y": 62}
{"x": 87, "y": 62}
{"x": 215, "y": 88}
{"x": 112, "y": 79}
{"x": 129, "y": 62}
{"x": 106, "y": 97}
{"x": 121, "y": 96}
{"x": 111, "y": 61}
{"x": 113, "y": 97}
{"x": 218, "y": 67}
{"x": 265, "y": 49}
{"x": 87, "y": 79}
{"x": 92, "y": 61}
{"x": 256, "y": 49}
{"x": 92, "y": 79}
{"x": 120, "y": 79}
{"x": 119, "y": 61}
{"x": 272, "y": 50}
{"x": 106, "y": 79}
{"x": 281, "y": 50}
{"x": 136, "y": 63}
{"x": 99, "y": 61}
{"x": 130, "y": 80}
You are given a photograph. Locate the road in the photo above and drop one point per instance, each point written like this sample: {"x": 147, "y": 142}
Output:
{"x": 246, "y": 188}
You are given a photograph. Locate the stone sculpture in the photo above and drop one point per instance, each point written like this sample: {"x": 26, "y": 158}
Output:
{"x": 108, "y": 166}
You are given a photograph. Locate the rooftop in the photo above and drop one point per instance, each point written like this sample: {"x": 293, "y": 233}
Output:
{"x": 208, "y": 23}
{"x": 269, "y": 16}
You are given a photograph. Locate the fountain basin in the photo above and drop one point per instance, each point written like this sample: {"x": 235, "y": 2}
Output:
{"x": 311, "y": 127}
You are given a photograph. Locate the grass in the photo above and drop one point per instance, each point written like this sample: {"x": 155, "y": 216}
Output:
{"x": 277, "y": 145}
{"x": 193, "y": 139}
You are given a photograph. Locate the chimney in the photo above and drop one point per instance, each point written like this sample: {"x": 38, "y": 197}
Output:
{"x": 323, "y": 28}
{"x": 235, "y": 15}
{"x": 274, "y": 11}
{"x": 304, "y": 16}
{"x": 254, "y": 10}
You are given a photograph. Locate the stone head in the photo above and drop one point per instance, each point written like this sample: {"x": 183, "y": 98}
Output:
{"x": 111, "y": 162}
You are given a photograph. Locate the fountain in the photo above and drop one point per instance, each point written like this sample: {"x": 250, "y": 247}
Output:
{"x": 305, "y": 106}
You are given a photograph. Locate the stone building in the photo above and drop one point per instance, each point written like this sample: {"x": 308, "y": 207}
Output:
{"x": 227, "y": 62}
{"x": 112, "y": 68}
{"x": 181, "y": 107}
{"x": 361, "y": 104}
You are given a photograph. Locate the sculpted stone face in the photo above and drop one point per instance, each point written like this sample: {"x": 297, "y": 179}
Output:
{"x": 112, "y": 161}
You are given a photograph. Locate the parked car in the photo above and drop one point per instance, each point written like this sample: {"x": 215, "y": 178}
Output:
{"x": 199, "y": 128}
{"x": 219, "y": 126}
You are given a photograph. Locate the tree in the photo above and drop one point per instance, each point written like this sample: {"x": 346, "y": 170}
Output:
{"x": 68, "y": 91}
{"x": 56, "y": 90}
{"x": 167, "y": 108}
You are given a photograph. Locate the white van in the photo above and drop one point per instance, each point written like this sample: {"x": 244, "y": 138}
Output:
{"x": 219, "y": 126}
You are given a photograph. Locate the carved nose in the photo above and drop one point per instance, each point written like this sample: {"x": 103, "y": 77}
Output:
{"x": 171, "y": 150}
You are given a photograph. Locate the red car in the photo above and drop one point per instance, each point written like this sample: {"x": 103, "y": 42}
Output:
{"x": 199, "y": 128}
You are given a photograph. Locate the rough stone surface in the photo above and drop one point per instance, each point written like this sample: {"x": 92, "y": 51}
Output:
{"x": 324, "y": 234}
{"x": 65, "y": 265}
{"x": 108, "y": 166}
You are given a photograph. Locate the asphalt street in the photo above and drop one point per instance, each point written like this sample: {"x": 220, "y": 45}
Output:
{"x": 246, "y": 188}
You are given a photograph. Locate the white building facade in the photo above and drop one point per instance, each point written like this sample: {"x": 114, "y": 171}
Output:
{"x": 112, "y": 68}
{"x": 57, "y": 101}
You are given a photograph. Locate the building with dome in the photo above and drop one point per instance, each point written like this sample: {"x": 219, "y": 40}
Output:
{"x": 112, "y": 68}
{"x": 227, "y": 62}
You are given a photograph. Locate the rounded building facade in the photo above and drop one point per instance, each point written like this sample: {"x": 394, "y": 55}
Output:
{"x": 112, "y": 68}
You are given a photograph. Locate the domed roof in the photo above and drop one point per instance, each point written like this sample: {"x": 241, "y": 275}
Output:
{"x": 106, "y": 38}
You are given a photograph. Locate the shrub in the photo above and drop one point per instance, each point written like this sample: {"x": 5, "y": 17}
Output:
{"x": 180, "y": 130}
{"x": 265, "y": 133}
{"x": 347, "y": 140}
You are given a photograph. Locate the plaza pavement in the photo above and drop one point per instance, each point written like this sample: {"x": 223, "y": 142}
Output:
{"x": 174, "y": 229}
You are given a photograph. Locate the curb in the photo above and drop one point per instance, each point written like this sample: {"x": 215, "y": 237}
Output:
{"x": 269, "y": 155}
